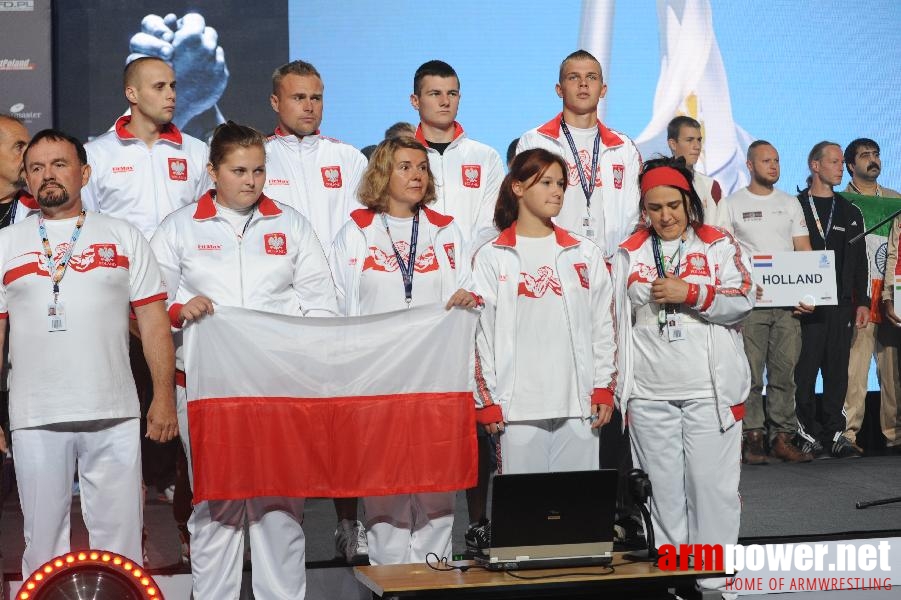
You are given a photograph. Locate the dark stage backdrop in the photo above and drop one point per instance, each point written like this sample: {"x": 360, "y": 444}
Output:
{"x": 92, "y": 41}
{"x": 25, "y": 68}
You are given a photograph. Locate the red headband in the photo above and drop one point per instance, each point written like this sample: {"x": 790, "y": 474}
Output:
{"x": 664, "y": 176}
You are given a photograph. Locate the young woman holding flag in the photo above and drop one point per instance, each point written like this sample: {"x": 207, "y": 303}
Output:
{"x": 237, "y": 247}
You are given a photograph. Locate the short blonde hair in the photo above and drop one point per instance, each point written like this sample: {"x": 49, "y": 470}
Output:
{"x": 373, "y": 192}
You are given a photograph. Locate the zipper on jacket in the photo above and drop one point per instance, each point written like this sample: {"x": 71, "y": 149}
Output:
{"x": 572, "y": 345}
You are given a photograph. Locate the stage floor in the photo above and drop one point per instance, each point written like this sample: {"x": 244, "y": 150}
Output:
{"x": 780, "y": 503}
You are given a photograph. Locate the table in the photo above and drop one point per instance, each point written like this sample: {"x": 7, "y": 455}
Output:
{"x": 629, "y": 580}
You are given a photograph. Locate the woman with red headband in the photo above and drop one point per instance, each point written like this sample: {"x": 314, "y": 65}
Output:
{"x": 682, "y": 289}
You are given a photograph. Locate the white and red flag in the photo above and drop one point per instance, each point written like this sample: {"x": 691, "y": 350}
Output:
{"x": 331, "y": 407}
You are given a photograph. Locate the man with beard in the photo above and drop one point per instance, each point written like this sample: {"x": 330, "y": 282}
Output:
{"x": 73, "y": 400}
{"x": 864, "y": 165}
{"x": 766, "y": 220}
{"x": 832, "y": 222}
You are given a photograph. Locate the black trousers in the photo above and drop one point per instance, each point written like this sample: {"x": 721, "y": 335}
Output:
{"x": 825, "y": 346}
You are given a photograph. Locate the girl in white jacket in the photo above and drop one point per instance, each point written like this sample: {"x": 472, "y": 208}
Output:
{"x": 391, "y": 255}
{"x": 682, "y": 288}
{"x": 545, "y": 371}
{"x": 236, "y": 247}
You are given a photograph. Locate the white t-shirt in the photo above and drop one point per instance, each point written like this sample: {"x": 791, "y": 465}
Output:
{"x": 764, "y": 224}
{"x": 382, "y": 284}
{"x": 238, "y": 219}
{"x": 667, "y": 370}
{"x": 82, "y": 373}
{"x": 584, "y": 140}
{"x": 544, "y": 380}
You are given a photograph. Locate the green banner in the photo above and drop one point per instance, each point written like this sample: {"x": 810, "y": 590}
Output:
{"x": 875, "y": 209}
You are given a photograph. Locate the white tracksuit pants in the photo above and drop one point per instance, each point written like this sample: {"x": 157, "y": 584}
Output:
{"x": 404, "y": 528}
{"x": 277, "y": 542}
{"x": 548, "y": 445}
{"x": 108, "y": 455}
{"x": 694, "y": 470}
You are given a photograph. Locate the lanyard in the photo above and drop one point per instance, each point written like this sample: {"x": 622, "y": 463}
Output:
{"x": 658, "y": 257}
{"x": 406, "y": 269}
{"x": 857, "y": 190}
{"x": 57, "y": 271}
{"x": 816, "y": 217}
{"x": 587, "y": 186}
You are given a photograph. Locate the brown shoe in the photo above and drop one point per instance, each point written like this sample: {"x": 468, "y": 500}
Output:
{"x": 783, "y": 448}
{"x": 752, "y": 452}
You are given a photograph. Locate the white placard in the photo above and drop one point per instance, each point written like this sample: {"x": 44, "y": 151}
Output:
{"x": 791, "y": 277}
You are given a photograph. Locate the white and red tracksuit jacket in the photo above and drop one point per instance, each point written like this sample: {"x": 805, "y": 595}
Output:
{"x": 588, "y": 300}
{"x": 616, "y": 197}
{"x": 467, "y": 180}
{"x": 142, "y": 185}
{"x": 317, "y": 176}
{"x": 725, "y": 296}
{"x": 352, "y": 244}
{"x": 276, "y": 266}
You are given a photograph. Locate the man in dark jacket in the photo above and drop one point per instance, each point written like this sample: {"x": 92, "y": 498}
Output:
{"x": 826, "y": 334}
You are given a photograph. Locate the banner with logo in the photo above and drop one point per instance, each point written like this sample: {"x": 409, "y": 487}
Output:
{"x": 26, "y": 67}
{"x": 331, "y": 407}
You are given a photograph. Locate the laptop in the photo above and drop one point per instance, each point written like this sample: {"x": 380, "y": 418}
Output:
{"x": 552, "y": 520}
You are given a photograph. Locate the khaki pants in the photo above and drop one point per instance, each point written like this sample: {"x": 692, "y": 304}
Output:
{"x": 773, "y": 340}
{"x": 884, "y": 340}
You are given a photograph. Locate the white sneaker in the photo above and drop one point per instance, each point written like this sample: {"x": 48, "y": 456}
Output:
{"x": 350, "y": 542}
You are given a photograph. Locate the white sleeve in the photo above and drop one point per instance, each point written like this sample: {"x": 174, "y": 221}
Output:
{"x": 603, "y": 323}
{"x": 313, "y": 282}
{"x": 145, "y": 279}
{"x": 342, "y": 271}
{"x": 729, "y": 302}
{"x": 486, "y": 283}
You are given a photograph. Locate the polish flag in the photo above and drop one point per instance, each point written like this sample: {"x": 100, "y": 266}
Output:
{"x": 331, "y": 407}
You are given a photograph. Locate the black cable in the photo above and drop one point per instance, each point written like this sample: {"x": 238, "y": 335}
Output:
{"x": 442, "y": 565}
{"x": 513, "y": 574}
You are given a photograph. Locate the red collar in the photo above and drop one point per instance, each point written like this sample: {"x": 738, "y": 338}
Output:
{"x": 507, "y": 238}
{"x": 551, "y": 129}
{"x": 705, "y": 233}
{"x": 363, "y": 217}
{"x": 206, "y": 207}
{"x": 27, "y": 200}
{"x": 458, "y": 131}
{"x": 170, "y": 132}
{"x": 281, "y": 133}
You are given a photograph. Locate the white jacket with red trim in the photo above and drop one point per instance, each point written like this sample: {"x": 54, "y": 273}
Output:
{"x": 618, "y": 194}
{"x": 467, "y": 180}
{"x": 317, "y": 176}
{"x": 142, "y": 185}
{"x": 587, "y": 298}
{"x": 710, "y": 193}
{"x": 26, "y": 205}
{"x": 351, "y": 247}
{"x": 725, "y": 297}
{"x": 276, "y": 266}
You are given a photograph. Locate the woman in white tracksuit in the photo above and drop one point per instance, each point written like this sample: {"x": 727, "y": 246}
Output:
{"x": 236, "y": 247}
{"x": 394, "y": 254}
{"x": 682, "y": 289}
{"x": 545, "y": 365}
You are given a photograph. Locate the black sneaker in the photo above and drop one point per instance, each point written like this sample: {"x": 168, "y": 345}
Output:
{"x": 843, "y": 448}
{"x": 813, "y": 447}
{"x": 478, "y": 538}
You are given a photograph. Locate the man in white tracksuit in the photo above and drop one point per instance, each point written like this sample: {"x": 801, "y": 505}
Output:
{"x": 467, "y": 173}
{"x": 145, "y": 168}
{"x": 685, "y": 140}
{"x": 601, "y": 199}
{"x": 316, "y": 175}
